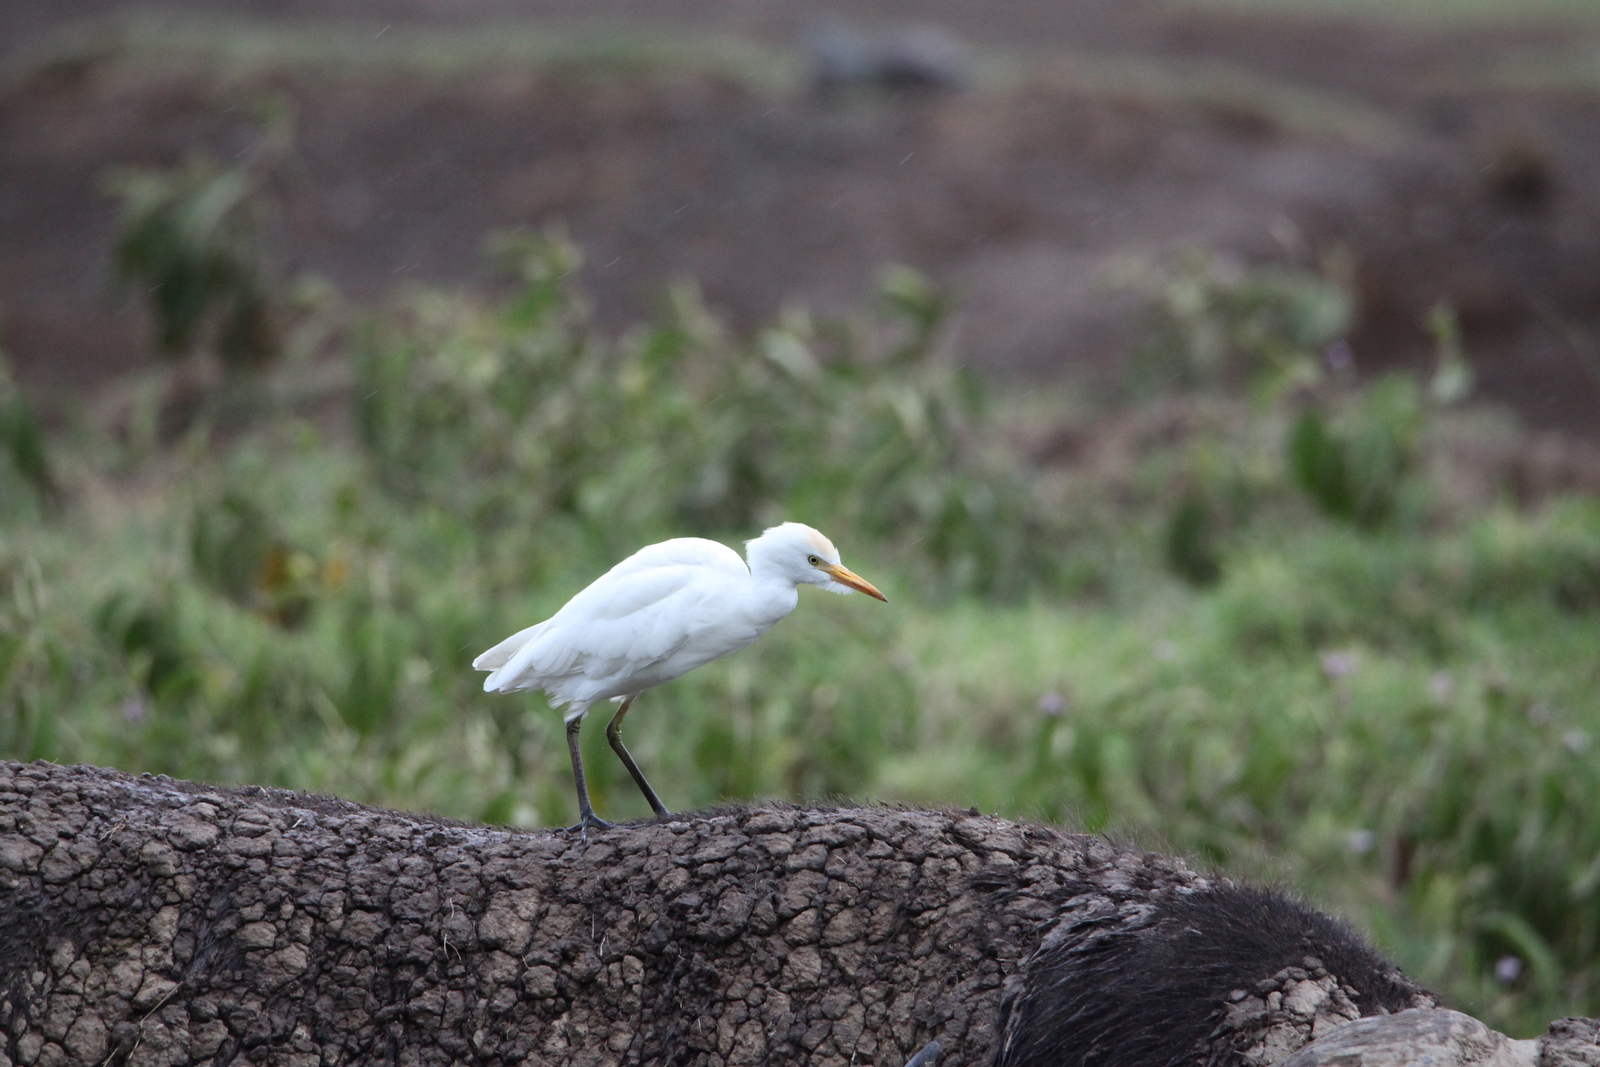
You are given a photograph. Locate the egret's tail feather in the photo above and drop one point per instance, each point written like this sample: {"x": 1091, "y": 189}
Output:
{"x": 500, "y": 654}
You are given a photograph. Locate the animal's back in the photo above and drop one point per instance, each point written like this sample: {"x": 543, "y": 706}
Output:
{"x": 1166, "y": 988}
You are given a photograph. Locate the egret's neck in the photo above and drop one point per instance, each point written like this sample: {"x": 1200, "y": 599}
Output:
{"x": 774, "y": 587}
{"x": 764, "y": 570}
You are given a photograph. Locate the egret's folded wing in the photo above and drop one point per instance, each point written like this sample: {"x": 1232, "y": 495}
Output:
{"x": 615, "y": 627}
{"x": 622, "y": 648}
{"x": 638, "y": 622}
{"x": 613, "y": 597}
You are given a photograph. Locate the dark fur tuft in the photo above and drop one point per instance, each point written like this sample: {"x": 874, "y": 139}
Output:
{"x": 1153, "y": 993}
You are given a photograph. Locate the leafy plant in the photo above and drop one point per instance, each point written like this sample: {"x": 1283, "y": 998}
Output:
{"x": 25, "y": 469}
{"x": 238, "y": 551}
{"x": 1452, "y": 379}
{"x": 520, "y": 414}
{"x": 1191, "y": 541}
{"x": 1353, "y": 464}
{"x": 1555, "y": 560}
{"x": 29, "y": 660}
{"x": 190, "y": 239}
{"x": 145, "y": 633}
{"x": 1211, "y": 323}
{"x": 1353, "y": 451}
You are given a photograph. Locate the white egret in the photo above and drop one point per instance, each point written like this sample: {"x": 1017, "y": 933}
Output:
{"x": 659, "y": 614}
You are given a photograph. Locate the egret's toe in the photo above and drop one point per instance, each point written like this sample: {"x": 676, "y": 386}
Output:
{"x": 590, "y": 819}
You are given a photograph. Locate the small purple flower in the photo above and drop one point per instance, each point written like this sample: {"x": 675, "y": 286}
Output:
{"x": 1338, "y": 665}
{"x": 134, "y": 711}
{"x": 1507, "y": 969}
{"x": 1361, "y": 841}
{"x": 1052, "y": 704}
{"x": 1339, "y": 357}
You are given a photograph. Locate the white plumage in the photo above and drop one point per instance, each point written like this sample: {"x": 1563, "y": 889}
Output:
{"x": 660, "y": 613}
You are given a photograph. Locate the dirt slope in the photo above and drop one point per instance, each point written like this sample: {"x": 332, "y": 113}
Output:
{"x": 1277, "y": 140}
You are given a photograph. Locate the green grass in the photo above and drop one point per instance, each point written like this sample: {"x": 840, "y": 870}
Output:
{"x": 1427, "y": 13}
{"x": 245, "y": 49}
{"x": 1225, "y": 88}
{"x": 1401, "y": 721}
{"x": 232, "y": 50}
{"x": 1573, "y": 69}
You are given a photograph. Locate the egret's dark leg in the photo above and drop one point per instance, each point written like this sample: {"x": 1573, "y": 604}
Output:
{"x": 586, "y": 815}
{"x": 614, "y": 735}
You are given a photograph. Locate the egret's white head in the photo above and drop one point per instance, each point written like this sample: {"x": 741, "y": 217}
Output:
{"x": 797, "y": 553}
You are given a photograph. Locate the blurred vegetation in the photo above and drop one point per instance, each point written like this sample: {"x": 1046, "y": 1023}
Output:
{"x": 1264, "y": 640}
{"x": 27, "y": 482}
{"x": 239, "y": 47}
{"x": 1424, "y": 12}
{"x": 517, "y": 417}
{"x": 190, "y": 241}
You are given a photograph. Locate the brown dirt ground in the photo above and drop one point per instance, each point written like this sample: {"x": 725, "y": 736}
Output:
{"x": 1019, "y": 197}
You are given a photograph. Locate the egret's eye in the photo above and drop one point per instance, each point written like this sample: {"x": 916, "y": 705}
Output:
{"x": 813, "y": 560}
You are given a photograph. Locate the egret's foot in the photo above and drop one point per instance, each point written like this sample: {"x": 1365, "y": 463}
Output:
{"x": 589, "y": 819}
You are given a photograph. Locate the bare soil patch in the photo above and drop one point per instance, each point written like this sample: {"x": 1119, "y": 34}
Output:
{"x": 1279, "y": 141}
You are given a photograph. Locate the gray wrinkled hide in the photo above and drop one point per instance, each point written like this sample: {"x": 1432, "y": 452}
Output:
{"x": 1439, "y": 1037}
{"x": 162, "y": 922}
{"x": 1420, "y": 1037}
{"x": 1572, "y": 1043}
{"x": 146, "y": 921}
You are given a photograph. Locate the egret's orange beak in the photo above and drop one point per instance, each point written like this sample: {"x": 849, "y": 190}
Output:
{"x": 845, "y": 576}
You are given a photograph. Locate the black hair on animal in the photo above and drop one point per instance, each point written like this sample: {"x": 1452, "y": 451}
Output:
{"x": 1153, "y": 991}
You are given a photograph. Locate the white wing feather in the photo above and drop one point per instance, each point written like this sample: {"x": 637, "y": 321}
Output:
{"x": 499, "y": 654}
{"x": 626, "y": 627}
